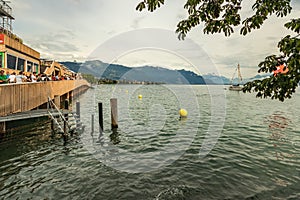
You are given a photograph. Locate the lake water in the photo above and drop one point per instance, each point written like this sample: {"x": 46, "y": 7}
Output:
{"x": 231, "y": 146}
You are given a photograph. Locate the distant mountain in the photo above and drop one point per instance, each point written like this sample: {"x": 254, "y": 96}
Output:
{"x": 216, "y": 79}
{"x": 258, "y": 77}
{"x": 99, "y": 69}
{"x": 103, "y": 70}
{"x": 145, "y": 73}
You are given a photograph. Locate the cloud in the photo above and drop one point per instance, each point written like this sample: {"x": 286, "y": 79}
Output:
{"x": 295, "y": 5}
{"x": 136, "y": 22}
{"x": 70, "y": 29}
{"x": 75, "y": 1}
{"x": 55, "y": 44}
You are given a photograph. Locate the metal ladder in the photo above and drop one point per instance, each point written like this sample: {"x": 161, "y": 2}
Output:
{"x": 65, "y": 126}
{"x": 58, "y": 118}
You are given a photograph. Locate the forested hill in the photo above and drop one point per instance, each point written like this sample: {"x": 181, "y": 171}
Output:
{"x": 103, "y": 70}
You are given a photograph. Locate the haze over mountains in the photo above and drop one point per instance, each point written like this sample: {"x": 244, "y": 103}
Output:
{"x": 103, "y": 70}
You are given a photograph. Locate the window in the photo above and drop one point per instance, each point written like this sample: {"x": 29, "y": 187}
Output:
{"x": 29, "y": 66}
{"x": 20, "y": 65}
{"x": 1, "y": 59}
{"x": 36, "y": 67}
{"x": 11, "y": 61}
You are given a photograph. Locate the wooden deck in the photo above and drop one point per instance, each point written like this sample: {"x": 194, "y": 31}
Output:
{"x": 28, "y": 115}
{"x": 16, "y": 98}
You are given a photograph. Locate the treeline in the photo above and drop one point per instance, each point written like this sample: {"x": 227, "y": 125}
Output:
{"x": 93, "y": 80}
{"x": 90, "y": 78}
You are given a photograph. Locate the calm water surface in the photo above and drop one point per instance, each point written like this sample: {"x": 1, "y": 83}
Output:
{"x": 231, "y": 146}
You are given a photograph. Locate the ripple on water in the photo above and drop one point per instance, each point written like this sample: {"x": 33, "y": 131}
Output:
{"x": 254, "y": 158}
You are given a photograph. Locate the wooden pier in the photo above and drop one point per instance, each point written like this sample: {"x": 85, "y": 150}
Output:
{"x": 24, "y": 101}
{"x": 17, "y": 98}
{"x": 29, "y": 115}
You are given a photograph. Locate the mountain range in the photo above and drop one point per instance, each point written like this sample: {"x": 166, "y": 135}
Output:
{"x": 103, "y": 70}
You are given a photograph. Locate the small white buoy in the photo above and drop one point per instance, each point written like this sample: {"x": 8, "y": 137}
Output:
{"x": 183, "y": 113}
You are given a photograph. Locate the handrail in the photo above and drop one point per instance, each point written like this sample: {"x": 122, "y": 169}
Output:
{"x": 59, "y": 112}
{"x": 53, "y": 118}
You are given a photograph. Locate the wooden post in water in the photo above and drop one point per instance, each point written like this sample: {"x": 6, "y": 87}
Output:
{"x": 78, "y": 109}
{"x": 52, "y": 125}
{"x": 92, "y": 123}
{"x": 100, "y": 110}
{"x": 2, "y": 127}
{"x": 65, "y": 128}
{"x": 57, "y": 101}
{"x": 66, "y": 104}
{"x": 77, "y": 115}
{"x": 66, "y": 115}
{"x": 114, "y": 113}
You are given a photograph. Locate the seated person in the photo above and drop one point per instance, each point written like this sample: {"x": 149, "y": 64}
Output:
{"x": 12, "y": 78}
{"x": 3, "y": 77}
{"x": 21, "y": 77}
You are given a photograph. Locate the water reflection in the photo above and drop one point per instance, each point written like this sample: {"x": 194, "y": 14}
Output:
{"x": 114, "y": 136}
{"x": 278, "y": 125}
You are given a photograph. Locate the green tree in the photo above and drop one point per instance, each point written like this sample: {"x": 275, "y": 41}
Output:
{"x": 90, "y": 78}
{"x": 223, "y": 15}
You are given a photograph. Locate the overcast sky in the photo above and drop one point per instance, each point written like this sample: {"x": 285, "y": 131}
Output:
{"x": 113, "y": 31}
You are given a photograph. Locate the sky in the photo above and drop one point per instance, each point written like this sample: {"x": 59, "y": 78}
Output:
{"x": 114, "y": 32}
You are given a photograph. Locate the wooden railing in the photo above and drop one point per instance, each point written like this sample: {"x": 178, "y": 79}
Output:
{"x": 27, "y": 96}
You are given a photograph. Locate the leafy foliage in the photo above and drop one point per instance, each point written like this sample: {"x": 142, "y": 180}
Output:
{"x": 223, "y": 15}
{"x": 150, "y": 4}
{"x": 281, "y": 86}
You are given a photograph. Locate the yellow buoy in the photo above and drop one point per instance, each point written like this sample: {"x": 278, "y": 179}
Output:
{"x": 183, "y": 112}
{"x": 140, "y": 96}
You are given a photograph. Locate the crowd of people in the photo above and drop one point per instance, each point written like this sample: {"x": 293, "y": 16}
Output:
{"x": 32, "y": 77}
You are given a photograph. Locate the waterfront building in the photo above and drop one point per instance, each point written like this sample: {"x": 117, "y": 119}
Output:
{"x": 17, "y": 57}
{"x": 14, "y": 55}
{"x": 52, "y": 67}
